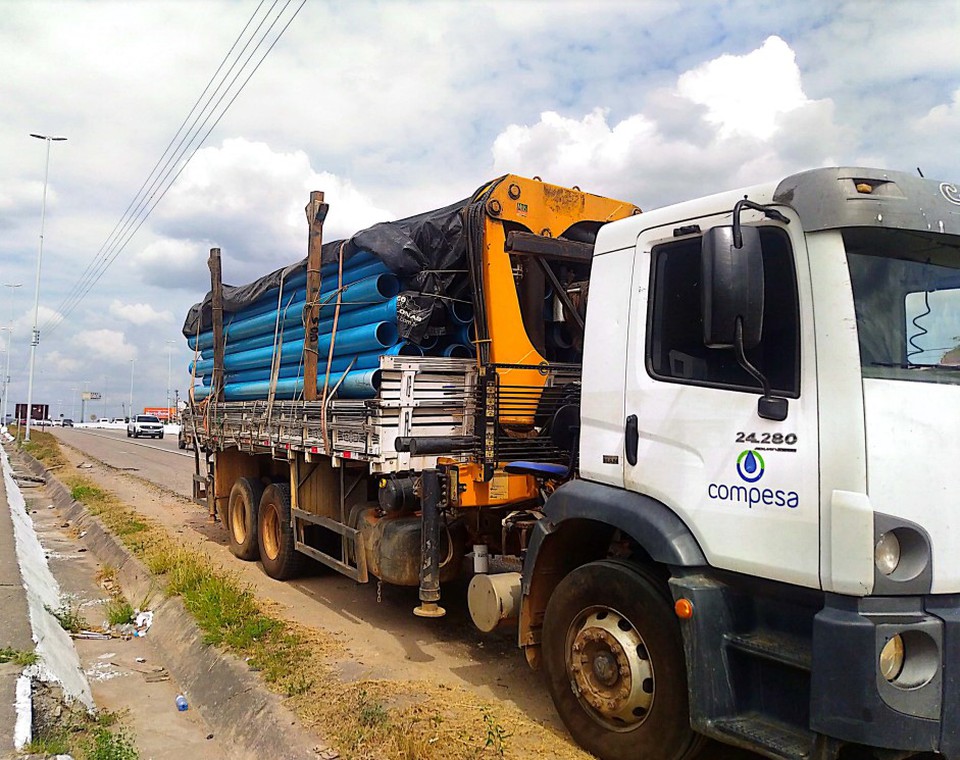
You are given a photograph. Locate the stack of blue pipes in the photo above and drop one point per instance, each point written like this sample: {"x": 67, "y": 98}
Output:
{"x": 270, "y": 332}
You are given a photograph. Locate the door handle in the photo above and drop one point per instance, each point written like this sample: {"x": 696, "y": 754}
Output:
{"x": 632, "y": 439}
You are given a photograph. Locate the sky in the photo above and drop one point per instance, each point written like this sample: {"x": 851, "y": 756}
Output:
{"x": 392, "y": 108}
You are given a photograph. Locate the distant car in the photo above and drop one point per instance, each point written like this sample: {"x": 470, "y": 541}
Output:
{"x": 145, "y": 424}
{"x": 67, "y": 422}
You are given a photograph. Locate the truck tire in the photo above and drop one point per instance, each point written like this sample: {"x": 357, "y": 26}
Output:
{"x": 615, "y": 667}
{"x": 275, "y": 534}
{"x": 241, "y": 520}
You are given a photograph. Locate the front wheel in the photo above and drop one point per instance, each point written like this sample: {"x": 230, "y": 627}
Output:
{"x": 615, "y": 666}
{"x": 160, "y": 436}
{"x": 128, "y": 434}
{"x": 278, "y": 554}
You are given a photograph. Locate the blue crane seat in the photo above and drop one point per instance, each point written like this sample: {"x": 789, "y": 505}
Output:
{"x": 564, "y": 431}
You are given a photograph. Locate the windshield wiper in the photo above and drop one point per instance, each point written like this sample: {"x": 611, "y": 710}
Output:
{"x": 907, "y": 365}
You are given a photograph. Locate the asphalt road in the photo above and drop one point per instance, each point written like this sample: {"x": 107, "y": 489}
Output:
{"x": 155, "y": 459}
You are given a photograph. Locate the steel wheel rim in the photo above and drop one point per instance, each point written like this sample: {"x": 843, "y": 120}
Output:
{"x": 238, "y": 521}
{"x": 271, "y": 531}
{"x": 610, "y": 669}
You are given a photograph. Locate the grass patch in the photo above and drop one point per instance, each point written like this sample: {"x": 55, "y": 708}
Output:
{"x": 84, "y": 737}
{"x": 119, "y": 611}
{"x": 44, "y": 448}
{"x": 107, "y": 745}
{"x": 18, "y": 657}
{"x": 69, "y": 617}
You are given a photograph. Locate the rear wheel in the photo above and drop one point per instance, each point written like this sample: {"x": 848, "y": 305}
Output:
{"x": 241, "y": 519}
{"x": 275, "y": 533}
{"x": 615, "y": 666}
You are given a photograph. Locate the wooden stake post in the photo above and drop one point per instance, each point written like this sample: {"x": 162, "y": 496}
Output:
{"x": 216, "y": 293}
{"x": 316, "y": 211}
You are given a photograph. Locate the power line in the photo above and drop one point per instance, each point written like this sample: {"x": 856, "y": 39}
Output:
{"x": 131, "y": 222}
{"x": 130, "y": 212}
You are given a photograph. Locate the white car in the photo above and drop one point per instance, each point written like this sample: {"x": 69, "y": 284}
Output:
{"x": 145, "y": 425}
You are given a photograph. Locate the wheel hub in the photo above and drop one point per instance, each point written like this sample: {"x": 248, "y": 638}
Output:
{"x": 271, "y": 531}
{"x": 610, "y": 668}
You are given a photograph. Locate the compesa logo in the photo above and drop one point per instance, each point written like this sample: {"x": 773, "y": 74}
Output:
{"x": 950, "y": 192}
{"x": 751, "y": 467}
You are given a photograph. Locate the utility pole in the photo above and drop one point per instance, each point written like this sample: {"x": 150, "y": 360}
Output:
{"x": 6, "y": 370}
{"x": 170, "y": 345}
{"x": 35, "y": 336}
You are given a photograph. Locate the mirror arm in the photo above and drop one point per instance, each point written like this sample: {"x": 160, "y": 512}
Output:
{"x": 769, "y": 407}
{"x": 767, "y": 211}
{"x": 745, "y": 363}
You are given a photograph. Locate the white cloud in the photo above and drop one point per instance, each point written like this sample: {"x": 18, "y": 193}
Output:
{"x": 249, "y": 200}
{"x": 138, "y": 313}
{"x": 109, "y": 345}
{"x": 718, "y": 127}
{"x": 941, "y": 119}
{"x": 57, "y": 363}
{"x": 745, "y": 94}
{"x": 170, "y": 263}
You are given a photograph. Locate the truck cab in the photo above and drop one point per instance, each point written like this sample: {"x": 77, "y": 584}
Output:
{"x": 760, "y": 547}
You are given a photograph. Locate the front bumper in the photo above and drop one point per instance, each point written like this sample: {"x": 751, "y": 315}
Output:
{"x": 850, "y": 699}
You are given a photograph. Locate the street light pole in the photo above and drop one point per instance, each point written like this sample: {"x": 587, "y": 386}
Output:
{"x": 35, "y": 336}
{"x": 170, "y": 345}
{"x": 6, "y": 370}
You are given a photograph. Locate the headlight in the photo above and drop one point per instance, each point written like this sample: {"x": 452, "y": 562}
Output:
{"x": 886, "y": 554}
{"x": 891, "y": 658}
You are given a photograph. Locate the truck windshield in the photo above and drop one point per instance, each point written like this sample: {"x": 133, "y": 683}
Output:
{"x": 906, "y": 291}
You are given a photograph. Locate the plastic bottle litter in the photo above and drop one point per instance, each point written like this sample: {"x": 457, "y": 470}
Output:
{"x": 182, "y": 703}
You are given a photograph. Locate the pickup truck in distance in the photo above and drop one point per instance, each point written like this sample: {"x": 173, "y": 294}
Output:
{"x": 145, "y": 424}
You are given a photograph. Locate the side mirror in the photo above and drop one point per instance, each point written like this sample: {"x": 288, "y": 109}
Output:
{"x": 732, "y": 286}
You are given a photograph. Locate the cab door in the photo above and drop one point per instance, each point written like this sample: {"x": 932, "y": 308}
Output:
{"x": 746, "y": 486}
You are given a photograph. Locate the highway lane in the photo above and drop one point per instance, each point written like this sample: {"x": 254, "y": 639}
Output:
{"x": 155, "y": 459}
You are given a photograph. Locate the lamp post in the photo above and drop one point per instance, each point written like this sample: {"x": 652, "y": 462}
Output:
{"x": 6, "y": 370}
{"x": 170, "y": 345}
{"x": 35, "y": 336}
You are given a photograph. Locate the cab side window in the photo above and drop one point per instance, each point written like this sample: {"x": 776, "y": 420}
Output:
{"x": 675, "y": 349}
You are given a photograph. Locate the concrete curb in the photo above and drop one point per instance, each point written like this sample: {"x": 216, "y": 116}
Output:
{"x": 245, "y": 715}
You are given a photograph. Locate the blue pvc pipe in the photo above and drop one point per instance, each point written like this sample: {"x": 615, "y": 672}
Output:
{"x": 458, "y": 351}
{"x": 366, "y": 360}
{"x": 370, "y": 337}
{"x": 359, "y": 294}
{"x": 461, "y": 312}
{"x": 298, "y": 280}
{"x": 380, "y": 312}
{"x": 356, "y": 384}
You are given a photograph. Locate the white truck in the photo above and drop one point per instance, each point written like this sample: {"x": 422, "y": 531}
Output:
{"x": 145, "y": 425}
{"x": 761, "y": 547}
{"x": 751, "y": 540}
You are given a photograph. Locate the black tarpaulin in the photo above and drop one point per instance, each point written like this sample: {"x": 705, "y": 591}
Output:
{"x": 427, "y": 251}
